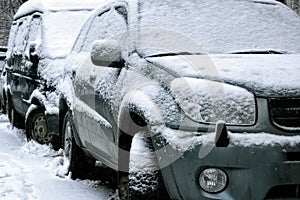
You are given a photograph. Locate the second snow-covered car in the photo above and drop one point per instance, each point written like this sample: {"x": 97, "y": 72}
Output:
{"x": 41, "y": 35}
{"x": 197, "y": 98}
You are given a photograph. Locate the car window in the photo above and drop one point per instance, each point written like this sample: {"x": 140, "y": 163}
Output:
{"x": 21, "y": 37}
{"x": 216, "y": 27}
{"x": 109, "y": 24}
{"x": 35, "y": 29}
{"x": 11, "y": 39}
{"x": 59, "y": 31}
{"x": 34, "y": 36}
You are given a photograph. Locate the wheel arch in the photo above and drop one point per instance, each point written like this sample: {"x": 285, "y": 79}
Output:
{"x": 64, "y": 108}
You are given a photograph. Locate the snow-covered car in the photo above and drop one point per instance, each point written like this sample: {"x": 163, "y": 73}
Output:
{"x": 2, "y": 78}
{"x": 196, "y": 98}
{"x": 41, "y": 35}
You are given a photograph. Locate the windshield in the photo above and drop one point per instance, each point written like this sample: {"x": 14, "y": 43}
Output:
{"x": 60, "y": 29}
{"x": 216, "y": 26}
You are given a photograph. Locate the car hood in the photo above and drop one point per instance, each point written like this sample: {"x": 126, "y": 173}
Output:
{"x": 264, "y": 75}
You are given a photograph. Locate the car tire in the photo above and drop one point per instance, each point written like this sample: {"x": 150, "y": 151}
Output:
{"x": 80, "y": 166}
{"x": 36, "y": 126}
{"x": 16, "y": 119}
{"x": 140, "y": 184}
{"x": 4, "y": 105}
{"x": 8, "y": 107}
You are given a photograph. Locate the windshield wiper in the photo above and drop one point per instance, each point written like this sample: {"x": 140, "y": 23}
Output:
{"x": 259, "y": 52}
{"x": 174, "y": 54}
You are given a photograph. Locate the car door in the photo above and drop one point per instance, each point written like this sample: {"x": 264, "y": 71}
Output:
{"x": 17, "y": 61}
{"x": 94, "y": 86}
{"x": 29, "y": 70}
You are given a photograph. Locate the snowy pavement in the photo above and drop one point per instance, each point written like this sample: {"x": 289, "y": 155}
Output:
{"x": 30, "y": 171}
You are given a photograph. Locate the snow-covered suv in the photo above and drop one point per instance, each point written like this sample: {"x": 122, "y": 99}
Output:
{"x": 41, "y": 35}
{"x": 199, "y": 98}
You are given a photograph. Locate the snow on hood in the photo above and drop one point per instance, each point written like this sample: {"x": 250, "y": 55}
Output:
{"x": 264, "y": 75}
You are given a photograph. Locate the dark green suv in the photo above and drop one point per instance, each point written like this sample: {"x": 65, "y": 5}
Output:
{"x": 41, "y": 35}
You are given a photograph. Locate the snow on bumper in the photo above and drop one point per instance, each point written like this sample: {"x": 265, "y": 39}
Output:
{"x": 258, "y": 165}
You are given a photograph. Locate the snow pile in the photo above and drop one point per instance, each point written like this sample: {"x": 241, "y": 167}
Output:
{"x": 35, "y": 149}
{"x": 58, "y": 165}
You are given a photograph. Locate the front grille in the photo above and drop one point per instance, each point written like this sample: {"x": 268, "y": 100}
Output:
{"x": 285, "y": 113}
{"x": 284, "y": 192}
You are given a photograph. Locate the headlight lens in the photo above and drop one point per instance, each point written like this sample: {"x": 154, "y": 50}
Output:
{"x": 213, "y": 180}
{"x": 209, "y": 101}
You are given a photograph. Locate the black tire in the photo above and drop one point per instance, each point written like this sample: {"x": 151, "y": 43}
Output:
{"x": 8, "y": 107}
{"x": 36, "y": 127}
{"x": 81, "y": 166}
{"x": 17, "y": 120}
{"x": 4, "y": 104}
{"x": 143, "y": 184}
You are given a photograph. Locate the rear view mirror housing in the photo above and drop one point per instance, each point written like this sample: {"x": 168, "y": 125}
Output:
{"x": 106, "y": 53}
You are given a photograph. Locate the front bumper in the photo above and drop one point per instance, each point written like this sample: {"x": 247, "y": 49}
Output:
{"x": 257, "y": 170}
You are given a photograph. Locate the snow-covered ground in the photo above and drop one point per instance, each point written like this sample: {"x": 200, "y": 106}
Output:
{"x": 29, "y": 170}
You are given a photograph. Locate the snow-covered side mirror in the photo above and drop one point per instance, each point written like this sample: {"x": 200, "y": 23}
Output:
{"x": 106, "y": 53}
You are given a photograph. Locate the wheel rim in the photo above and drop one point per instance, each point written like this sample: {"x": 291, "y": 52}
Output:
{"x": 68, "y": 140}
{"x": 40, "y": 130}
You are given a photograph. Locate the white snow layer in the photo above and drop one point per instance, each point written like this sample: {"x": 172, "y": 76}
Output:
{"x": 216, "y": 26}
{"x": 207, "y": 101}
{"x": 44, "y": 5}
{"x": 264, "y": 75}
{"x": 186, "y": 141}
{"x": 30, "y": 171}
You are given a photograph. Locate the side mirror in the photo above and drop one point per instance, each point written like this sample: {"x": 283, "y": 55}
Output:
{"x": 106, "y": 53}
{"x": 33, "y": 57}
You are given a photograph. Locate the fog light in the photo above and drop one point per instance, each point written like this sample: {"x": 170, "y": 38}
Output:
{"x": 213, "y": 180}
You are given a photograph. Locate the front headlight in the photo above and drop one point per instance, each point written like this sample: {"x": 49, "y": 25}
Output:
{"x": 209, "y": 101}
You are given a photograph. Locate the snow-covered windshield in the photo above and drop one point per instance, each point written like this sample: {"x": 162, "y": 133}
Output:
{"x": 60, "y": 29}
{"x": 217, "y": 26}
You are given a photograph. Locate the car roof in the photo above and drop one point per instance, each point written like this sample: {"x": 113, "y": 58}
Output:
{"x": 42, "y": 6}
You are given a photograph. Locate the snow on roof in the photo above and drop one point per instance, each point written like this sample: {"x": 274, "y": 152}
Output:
{"x": 43, "y": 5}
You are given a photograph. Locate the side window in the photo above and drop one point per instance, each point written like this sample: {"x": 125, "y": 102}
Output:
{"x": 108, "y": 25}
{"x": 34, "y": 36}
{"x": 21, "y": 37}
{"x": 35, "y": 29}
{"x": 11, "y": 39}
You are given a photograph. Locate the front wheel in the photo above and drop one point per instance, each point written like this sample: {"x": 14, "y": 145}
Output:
{"x": 36, "y": 126}
{"x": 80, "y": 165}
{"x": 143, "y": 180}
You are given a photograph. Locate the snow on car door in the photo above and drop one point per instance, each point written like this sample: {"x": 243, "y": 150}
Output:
{"x": 94, "y": 87}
